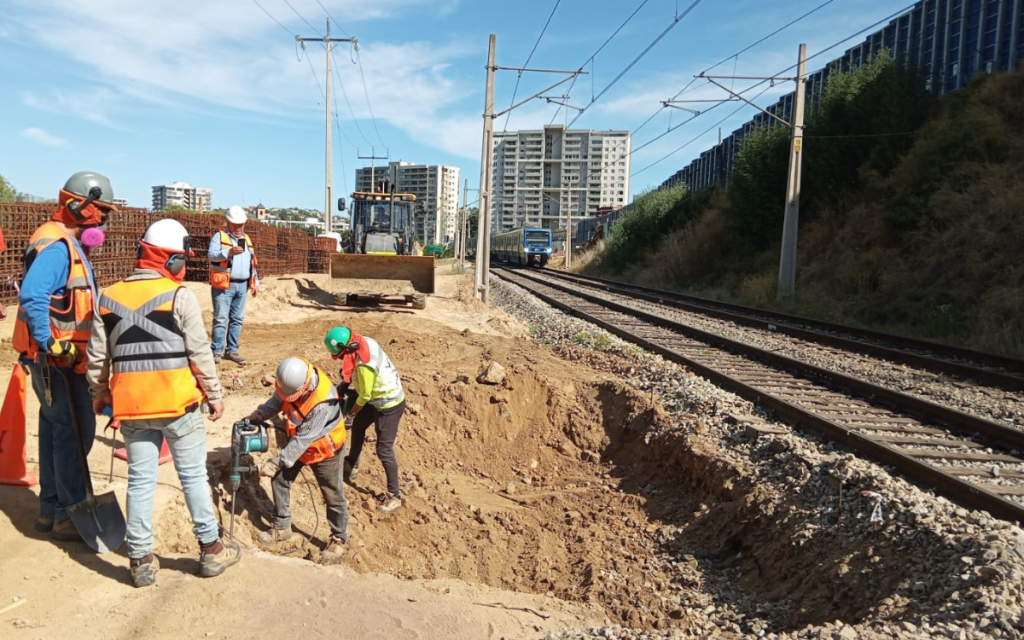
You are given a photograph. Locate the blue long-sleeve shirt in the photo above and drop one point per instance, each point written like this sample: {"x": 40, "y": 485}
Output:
{"x": 241, "y": 265}
{"x": 48, "y": 276}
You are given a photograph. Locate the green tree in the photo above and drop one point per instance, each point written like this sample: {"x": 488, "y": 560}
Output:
{"x": 644, "y": 224}
{"x": 472, "y": 219}
{"x": 7, "y": 191}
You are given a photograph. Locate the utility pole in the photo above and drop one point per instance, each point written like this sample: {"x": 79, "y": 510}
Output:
{"x": 483, "y": 240}
{"x": 568, "y": 230}
{"x": 787, "y": 262}
{"x": 328, "y": 44}
{"x": 372, "y": 157}
{"x": 464, "y": 224}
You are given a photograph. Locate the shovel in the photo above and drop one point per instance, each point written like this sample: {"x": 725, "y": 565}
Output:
{"x": 98, "y": 519}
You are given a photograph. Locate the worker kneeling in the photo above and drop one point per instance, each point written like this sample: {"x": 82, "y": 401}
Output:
{"x": 316, "y": 436}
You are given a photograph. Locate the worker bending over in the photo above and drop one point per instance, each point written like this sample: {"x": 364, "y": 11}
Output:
{"x": 380, "y": 401}
{"x": 316, "y": 435}
{"x": 150, "y": 362}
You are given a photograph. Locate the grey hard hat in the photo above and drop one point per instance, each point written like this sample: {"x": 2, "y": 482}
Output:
{"x": 291, "y": 376}
{"x": 80, "y": 184}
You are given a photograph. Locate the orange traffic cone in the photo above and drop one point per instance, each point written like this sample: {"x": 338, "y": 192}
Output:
{"x": 12, "y": 433}
{"x": 122, "y": 453}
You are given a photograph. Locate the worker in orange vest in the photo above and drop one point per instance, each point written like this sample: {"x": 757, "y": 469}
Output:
{"x": 316, "y": 437}
{"x": 149, "y": 361}
{"x": 55, "y": 316}
{"x": 233, "y": 275}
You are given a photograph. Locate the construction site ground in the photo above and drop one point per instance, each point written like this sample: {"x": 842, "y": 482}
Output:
{"x": 568, "y": 496}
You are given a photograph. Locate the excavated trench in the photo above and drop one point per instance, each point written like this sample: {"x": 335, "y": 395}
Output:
{"x": 579, "y": 488}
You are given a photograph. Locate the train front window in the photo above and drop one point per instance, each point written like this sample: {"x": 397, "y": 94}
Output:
{"x": 538, "y": 238}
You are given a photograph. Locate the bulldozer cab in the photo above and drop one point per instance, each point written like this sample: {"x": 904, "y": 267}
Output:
{"x": 382, "y": 223}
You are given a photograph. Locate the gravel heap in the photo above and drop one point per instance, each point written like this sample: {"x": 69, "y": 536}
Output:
{"x": 992, "y": 403}
{"x": 817, "y": 557}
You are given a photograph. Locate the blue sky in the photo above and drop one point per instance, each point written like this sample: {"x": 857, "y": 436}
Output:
{"x": 212, "y": 91}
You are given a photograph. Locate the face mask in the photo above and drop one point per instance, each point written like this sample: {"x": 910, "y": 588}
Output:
{"x": 93, "y": 237}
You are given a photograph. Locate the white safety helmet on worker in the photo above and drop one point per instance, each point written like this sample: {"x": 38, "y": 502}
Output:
{"x": 167, "y": 234}
{"x": 293, "y": 378}
{"x": 236, "y": 215}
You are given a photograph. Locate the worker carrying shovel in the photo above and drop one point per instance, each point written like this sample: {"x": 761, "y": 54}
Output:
{"x": 55, "y": 316}
{"x": 316, "y": 432}
{"x": 150, "y": 362}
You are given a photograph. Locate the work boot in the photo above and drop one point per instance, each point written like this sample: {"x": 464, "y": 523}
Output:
{"x": 216, "y": 358}
{"x": 65, "y": 531}
{"x": 215, "y": 558}
{"x": 44, "y": 525}
{"x": 334, "y": 552}
{"x": 234, "y": 357}
{"x": 274, "y": 536}
{"x": 389, "y": 504}
{"x": 351, "y": 472}
{"x": 144, "y": 570}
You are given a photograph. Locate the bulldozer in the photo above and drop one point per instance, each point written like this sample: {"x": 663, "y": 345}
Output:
{"x": 382, "y": 260}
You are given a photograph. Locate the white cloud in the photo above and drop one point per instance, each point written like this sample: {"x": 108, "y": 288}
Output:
{"x": 42, "y": 137}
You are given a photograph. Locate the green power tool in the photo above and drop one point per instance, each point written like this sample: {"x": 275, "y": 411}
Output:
{"x": 246, "y": 437}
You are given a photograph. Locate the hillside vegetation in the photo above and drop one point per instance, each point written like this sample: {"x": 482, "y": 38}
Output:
{"x": 911, "y": 215}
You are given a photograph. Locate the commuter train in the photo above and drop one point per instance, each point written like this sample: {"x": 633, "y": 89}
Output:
{"x": 526, "y": 246}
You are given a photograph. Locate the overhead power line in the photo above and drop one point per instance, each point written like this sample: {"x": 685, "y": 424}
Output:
{"x": 315, "y": 30}
{"x": 273, "y": 18}
{"x": 333, "y": 20}
{"x": 519, "y": 76}
{"x": 366, "y": 92}
{"x": 344, "y": 94}
{"x": 599, "y": 49}
{"x": 637, "y": 59}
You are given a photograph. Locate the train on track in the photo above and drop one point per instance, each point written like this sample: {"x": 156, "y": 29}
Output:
{"x": 527, "y": 246}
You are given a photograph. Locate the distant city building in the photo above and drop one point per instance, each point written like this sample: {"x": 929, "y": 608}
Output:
{"x": 182, "y": 194}
{"x": 539, "y": 176}
{"x": 436, "y": 188}
{"x": 120, "y": 202}
{"x": 259, "y": 212}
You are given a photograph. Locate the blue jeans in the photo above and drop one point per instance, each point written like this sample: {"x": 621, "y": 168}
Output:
{"x": 228, "y": 313}
{"x": 186, "y": 438}
{"x": 60, "y": 471}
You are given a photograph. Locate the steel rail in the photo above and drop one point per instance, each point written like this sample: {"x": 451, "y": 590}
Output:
{"x": 967, "y": 494}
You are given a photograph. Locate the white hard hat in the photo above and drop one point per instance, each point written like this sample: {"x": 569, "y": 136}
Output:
{"x": 167, "y": 234}
{"x": 293, "y": 378}
{"x": 236, "y": 215}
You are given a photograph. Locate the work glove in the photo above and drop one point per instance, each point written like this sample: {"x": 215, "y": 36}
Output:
{"x": 349, "y": 419}
{"x": 63, "y": 350}
{"x": 269, "y": 469}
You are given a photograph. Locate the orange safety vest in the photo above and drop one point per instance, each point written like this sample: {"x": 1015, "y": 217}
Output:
{"x": 71, "y": 313}
{"x": 220, "y": 272}
{"x": 151, "y": 376}
{"x": 325, "y": 447}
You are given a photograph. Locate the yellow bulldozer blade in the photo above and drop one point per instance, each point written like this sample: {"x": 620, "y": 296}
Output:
{"x": 417, "y": 270}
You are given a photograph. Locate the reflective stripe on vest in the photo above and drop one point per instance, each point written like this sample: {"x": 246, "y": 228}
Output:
{"x": 220, "y": 272}
{"x": 324, "y": 391}
{"x": 150, "y": 372}
{"x": 387, "y": 390}
{"x": 71, "y": 314}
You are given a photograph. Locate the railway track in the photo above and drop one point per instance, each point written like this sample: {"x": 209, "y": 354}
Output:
{"x": 975, "y": 462}
{"x": 986, "y": 368}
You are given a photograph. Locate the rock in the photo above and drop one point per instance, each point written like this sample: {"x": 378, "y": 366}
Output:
{"x": 413, "y": 408}
{"x": 493, "y": 374}
{"x": 909, "y": 627}
{"x": 511, "y": 488}
{"x": 847, "y": 633}
{"x": 268, "y": 380}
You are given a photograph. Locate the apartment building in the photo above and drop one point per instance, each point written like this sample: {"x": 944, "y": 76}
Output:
{"x": 436, "y": 188}
{"x": 182, "y": 194}
{"x": 539, "y": 177}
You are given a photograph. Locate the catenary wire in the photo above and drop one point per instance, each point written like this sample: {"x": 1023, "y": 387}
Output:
{"x": 290, "y": 32}
{"x": 333, "y": 19}
{"x": 308, "y": 24}
{"x": 637, "y": 59}
{"x": 519, "y": 76}
{"x": 594, "y": 55}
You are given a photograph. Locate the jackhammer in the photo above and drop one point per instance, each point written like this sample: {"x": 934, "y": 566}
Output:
{"x": 246, "y": 437}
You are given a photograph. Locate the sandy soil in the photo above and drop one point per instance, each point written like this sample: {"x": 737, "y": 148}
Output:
{"x": 490, "y": 474}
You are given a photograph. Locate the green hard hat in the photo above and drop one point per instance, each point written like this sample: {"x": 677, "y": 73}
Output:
{"x": 336, "y": 339}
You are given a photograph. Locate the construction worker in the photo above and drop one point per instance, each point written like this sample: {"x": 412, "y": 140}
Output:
{"x": 316, "y": 437}
{"x": 149, "y": 361}
{"x": 379, "y": 400}
{"x": 233, "y": 275}
{"x": 55, "y": 315}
